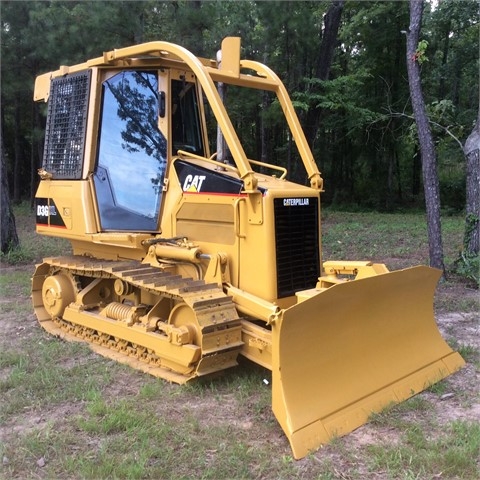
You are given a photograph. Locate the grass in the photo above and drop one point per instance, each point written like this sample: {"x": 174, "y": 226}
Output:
{"x": 400, "y": 238}
{"x": 35, "y": 376}
{"x": 155, "y": 445}
{"x": 394, "y": 416}
{"x": 448, "y": 298}
{"x": 422, "y": 450}
{"x": 451, "y": 454}
{"x": 14, "y": 284}
{"x": 470, "y": 353}
{"x": 68, "y": 413}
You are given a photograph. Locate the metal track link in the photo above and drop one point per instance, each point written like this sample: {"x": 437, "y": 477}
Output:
{"x": 217, "y": 321}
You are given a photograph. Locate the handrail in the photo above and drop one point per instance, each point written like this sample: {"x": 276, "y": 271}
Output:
{"x": 269, "y": 165}
{"x": 311, "y": 167}
{"x": 184, "y": 156}
{"x": 236, "y": 217}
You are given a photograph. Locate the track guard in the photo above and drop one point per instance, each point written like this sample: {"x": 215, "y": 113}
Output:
{"x": 355, "y": 349}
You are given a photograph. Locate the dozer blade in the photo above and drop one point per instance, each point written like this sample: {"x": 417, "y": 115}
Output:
{"x": 354, "y": 349}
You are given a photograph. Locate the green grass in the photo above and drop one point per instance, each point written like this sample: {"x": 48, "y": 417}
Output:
{"x": 451, "y": 454}
{"x": 68, "y": 413}
{"x": 470, "y": 353}
{"x": 156, "y": 443}
{"x": 424, "y": 449}
{"x": 449, "y": 300}
{"x": 400, "y": 237}
{"x": 142, "y": 436}
{"x": 395, "y": 416}
{"x": 40, "y": 375}
{"x": 14, "y": 284}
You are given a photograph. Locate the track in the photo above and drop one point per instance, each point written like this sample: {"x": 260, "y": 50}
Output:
{"x": 172, "y": 327}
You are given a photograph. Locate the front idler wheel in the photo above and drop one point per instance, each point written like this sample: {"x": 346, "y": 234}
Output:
{"x": 58, "y": 291}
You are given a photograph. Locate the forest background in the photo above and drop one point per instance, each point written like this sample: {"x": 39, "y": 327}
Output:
{"x": 354, "y": 106}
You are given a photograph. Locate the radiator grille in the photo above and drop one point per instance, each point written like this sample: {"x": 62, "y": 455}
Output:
{"x": 66, "y": 125}
{"x": 296, "y": 243}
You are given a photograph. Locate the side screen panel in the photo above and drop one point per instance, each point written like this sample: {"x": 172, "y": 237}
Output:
{"x": 66, "y": 126}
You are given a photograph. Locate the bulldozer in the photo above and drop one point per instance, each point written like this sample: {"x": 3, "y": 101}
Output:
{"x": 187, "y": 254}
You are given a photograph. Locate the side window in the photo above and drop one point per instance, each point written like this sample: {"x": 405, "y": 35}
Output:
{"x": 186, "y": 130}
{"x": 131, "y": 154}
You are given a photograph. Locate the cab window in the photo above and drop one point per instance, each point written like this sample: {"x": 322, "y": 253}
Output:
{"x": 186, "y": 130}
{"x": 132, "y": 151}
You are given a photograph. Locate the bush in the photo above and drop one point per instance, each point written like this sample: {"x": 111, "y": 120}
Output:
{"x": 468, "y": 266}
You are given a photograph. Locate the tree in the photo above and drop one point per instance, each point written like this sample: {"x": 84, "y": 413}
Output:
{"x": 362, "y": 159}
{"x": 415, "y": 57}
{"x": 366, "y": 156}
{"x": 8, "y": 231}
{"x": 472, "y": 225}
{"x": 38, "y": 37}
{"x": 468, "y": 263}
{"x": 324, "y": 62}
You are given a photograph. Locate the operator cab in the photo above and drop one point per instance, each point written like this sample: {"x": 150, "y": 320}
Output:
{"x": 133, "y": 151}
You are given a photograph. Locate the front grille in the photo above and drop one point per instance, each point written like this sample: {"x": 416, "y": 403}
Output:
{"x": 66, "y": 125}
{"x": 296, "y": 244}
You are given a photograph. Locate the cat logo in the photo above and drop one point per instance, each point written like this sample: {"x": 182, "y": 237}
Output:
{"x": 193, "y": 183}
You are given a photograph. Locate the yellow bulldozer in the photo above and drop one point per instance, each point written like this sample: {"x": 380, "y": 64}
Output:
{"x": 186, "y": 253}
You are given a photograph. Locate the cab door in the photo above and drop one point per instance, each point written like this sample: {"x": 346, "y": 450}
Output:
{"x": 132, "y": 152}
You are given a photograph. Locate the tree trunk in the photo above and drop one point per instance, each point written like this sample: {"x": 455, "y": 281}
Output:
{"x": 17, "y": 166}
{"x": 36, "y": 151}
{"x": 264, "y": 130}
{"x": 324, "y": 62}
{"x": 416, "y": 167}
{"x": 8, "y": 231}
{"x": 472, "y": 224}
{"x": 221, "y": 144}
{"x": 264, "y": 133}
{"x": 446, "y": 46}
{"x": 425, "y": 138}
